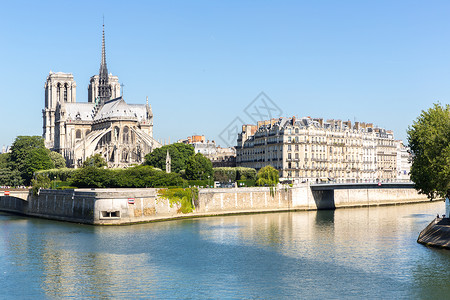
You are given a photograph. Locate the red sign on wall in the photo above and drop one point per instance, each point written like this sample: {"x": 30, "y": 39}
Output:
{"x": 130, "y": 200}
{"x": 6, "y": 193}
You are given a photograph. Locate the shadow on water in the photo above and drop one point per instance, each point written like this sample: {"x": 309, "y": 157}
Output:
{"x": 324, "y": 199}
{"x": 418, "y": 216}
{"x": 325, "y": 217}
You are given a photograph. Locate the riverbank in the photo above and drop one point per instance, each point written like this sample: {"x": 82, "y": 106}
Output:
{"x": 436, "y": 234}
{"x": 128, "y": 206}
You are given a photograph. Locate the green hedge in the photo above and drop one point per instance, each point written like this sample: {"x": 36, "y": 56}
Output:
{"x": 62, "y": 174}
{"x": 245, "y": 173}
{"x": 224, "y": 174}
{"x": 227, "y": 174}
{"x": 134, "y": 177}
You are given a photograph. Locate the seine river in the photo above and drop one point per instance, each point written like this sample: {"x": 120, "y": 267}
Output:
{"x": 346, "y": 253}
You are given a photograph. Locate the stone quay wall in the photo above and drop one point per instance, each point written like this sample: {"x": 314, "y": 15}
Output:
{"x": 101, "y": 206}
{"x": 436, "y": 234}
{"x": 243, "y": 199}
{"x": 125, "y": 206}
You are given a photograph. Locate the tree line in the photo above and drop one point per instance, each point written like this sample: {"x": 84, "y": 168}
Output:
{"x": 27, "y": 156}
{"x": 29, "y": 162}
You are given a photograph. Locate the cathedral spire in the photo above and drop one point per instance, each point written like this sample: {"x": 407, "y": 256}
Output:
{"x": 103, "y": 64}
{"x": 104, "y": 89}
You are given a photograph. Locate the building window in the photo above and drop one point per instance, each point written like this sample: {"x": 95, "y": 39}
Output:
{"x": 289, "y": 148}
{"x": 126, "y": 136}
{"x": 58, "y": 92}
{"x": 78, "y": 134}
{"x": 116, "y": 133}
{"x": 65, "y": 92}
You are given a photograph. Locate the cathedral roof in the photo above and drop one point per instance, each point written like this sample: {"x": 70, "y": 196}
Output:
{"x": 118, "y": 108}
{"x": 79, "y": 111}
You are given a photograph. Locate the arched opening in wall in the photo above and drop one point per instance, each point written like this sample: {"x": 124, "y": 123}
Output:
{"x": 65, "y": 92}
{"x": 58, "y": 91}
{"x": 87, "y": 132}
{"x": 125, "y": 135}
{"x": 78, "y": 134}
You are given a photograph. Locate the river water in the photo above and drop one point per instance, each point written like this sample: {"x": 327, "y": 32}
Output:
{"x": 346, "y": 253}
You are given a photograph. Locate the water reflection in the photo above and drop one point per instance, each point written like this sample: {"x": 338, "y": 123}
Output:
{"x": 363, "y": 252}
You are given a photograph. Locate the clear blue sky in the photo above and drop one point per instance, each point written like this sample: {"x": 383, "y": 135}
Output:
{"x": 202, "y": 62}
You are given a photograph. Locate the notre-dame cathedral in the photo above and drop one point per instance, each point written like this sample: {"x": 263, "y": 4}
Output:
{"x": 122, "y": 133}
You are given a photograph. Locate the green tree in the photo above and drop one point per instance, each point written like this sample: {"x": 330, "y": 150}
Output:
{"x": 429, "y": 140}
{"x": 95, "y": 160}
{"x": 4, "y": 159}
{"x": 267, "y": 176}
{"x": 57, "y": 159}
{"x": 28, "y": 154}
{"x": 40, "y": 181}
{"x": 179, "y": 155}
{"x": 37, "y": 159}
{"x": 23, "y": 145}
{"x": 198, "y": 167}
{"x": 10, "y": 177}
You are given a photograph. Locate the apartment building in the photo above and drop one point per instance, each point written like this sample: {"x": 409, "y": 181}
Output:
{"x": 316, "y": 150}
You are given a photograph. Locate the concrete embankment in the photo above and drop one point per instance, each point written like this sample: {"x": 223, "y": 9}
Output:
{"x": 436, "y": 234}
{"x": 125, "y": 206}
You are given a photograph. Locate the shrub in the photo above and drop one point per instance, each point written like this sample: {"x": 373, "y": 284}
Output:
{"x": 183, "y": 197}
{"x": 224, "y": 174}
{"x": 134, "y": 177}
{"x": 62, "y": 174}
{"x": 243, "y": 173}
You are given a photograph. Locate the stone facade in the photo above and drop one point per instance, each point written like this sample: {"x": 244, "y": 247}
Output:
{"x": 404, "y": 161}
{"x": 123, "y": 206}
{"x": 106, "y": 124}
{"x": 310, "y": 149}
